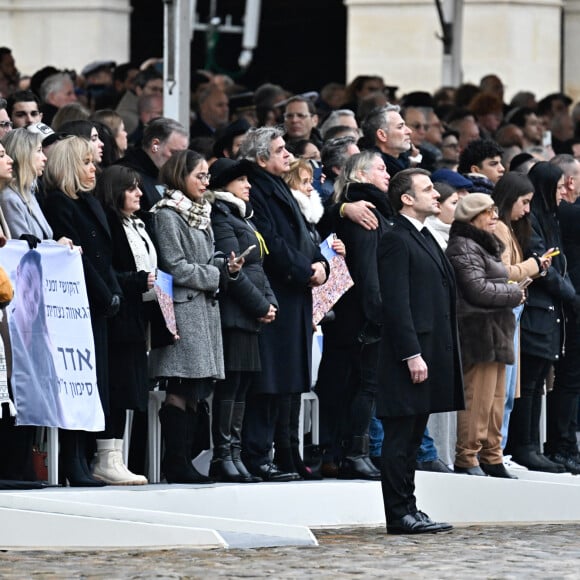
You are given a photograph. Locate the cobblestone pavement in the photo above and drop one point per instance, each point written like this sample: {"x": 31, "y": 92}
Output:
{"x": 550, "y": 551}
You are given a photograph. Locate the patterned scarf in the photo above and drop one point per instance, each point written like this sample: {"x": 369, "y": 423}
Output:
{"x": 197, "y": 215}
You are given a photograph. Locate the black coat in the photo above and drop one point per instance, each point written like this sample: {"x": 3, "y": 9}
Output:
{"x": 285, "y": 344}
{"x": 138, "y": 160}
{"x": 83, "y": 220}
{"x": 359, "y": 310}
{"x": 541, "y": 324}
{"x": 130, "y": 324}
{"x": 249, "y": 296}
{"x": 418, "y": 303}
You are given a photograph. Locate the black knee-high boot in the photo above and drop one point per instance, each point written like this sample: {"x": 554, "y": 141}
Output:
{"x": 177, "y": 428}
{"x": 222, "y": 467}
{"x": 236, "y": 444}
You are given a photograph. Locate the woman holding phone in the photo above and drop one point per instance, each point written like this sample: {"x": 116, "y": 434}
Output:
{"x": 245, "y": 306}
{"x": 542, "y": 333}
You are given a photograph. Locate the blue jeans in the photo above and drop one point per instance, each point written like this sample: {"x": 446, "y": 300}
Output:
{"x": 376, "y": 436}
{"x": 511, "y": 379}
{"x": 427, "y": 451}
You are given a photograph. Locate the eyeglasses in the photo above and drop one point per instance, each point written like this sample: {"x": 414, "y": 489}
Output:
{"x": 417, "y": 126}
{"x": 202, "y": 177}
{"x": 6, "y": 124}
{"x": 22, "y": 114}
{"x": 289, "y": 116}
{"x": 491, "y": 210}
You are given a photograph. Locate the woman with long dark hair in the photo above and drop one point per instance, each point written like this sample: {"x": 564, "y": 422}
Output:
{"x": 542, "y": 339}
{"x": 135, "y": 264}
{"x": 513, "y": 194}
{"x": 190, "y": 367}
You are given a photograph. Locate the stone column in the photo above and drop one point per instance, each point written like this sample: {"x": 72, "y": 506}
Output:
{"x": 517, "y": 39}
{"x": 572, "y": 48}
{"x": 65, "y": 33}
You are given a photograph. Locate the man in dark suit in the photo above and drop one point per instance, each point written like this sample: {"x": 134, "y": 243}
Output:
{"x": 420, "y": 369}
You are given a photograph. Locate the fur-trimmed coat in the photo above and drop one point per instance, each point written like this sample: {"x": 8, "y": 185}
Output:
{"x": 484, "y": 307}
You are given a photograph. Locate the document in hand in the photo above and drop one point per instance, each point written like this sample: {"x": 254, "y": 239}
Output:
{"x": 339, "y": 281}
{"x": 164, "y": 291}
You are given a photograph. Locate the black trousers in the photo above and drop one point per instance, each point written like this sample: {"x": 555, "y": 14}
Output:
{"x": 524, "y": 427}
{"x": 562, "y": 402}
{"x": 403, "y": 437}
{"x": 259, "y": 427}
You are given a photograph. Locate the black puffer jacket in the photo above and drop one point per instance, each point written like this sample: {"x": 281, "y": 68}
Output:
{"x": 485, "y": 299}
{"x": 249, "y": 296}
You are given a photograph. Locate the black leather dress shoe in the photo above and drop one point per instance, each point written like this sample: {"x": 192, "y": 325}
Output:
{"x": 436, "y": 466}
{"x": 497, "y": 470}
{"x": 443, "y": 526}
{"x": 270, "y": 472}
{"x": 412, "y": 525}
{"x": 476, "y": 470}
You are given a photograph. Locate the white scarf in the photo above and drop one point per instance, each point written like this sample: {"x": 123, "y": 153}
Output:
{"x": 310, "y": 206}
{"x": 142, "y": 248}
{"x": 231, "y": 198}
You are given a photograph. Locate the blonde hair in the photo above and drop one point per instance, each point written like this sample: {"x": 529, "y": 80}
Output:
{"x": 66, "y": 160}
{"x": 20, "y": 145}
{"x": 110, "y": 118}
{"x": 292, "y": 178}
{"x": 357, "y": 164}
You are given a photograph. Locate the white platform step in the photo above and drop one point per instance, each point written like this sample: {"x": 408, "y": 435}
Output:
{"x": 265, "y": 514}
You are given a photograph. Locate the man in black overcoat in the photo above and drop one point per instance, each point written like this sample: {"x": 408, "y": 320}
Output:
{"x": 293, "y": 264}
{"x": 420, "y": 369}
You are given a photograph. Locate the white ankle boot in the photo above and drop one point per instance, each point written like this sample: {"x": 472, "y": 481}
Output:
{"x": 109, "y": 467}
{"x": 137, "y": 479}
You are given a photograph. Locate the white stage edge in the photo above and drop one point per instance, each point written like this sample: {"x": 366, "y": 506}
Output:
{"x": 265, "y": 514}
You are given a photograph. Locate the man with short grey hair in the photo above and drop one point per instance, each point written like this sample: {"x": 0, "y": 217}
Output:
{"x": 294, "y": 265}
{"x": 56, "y": 91}
{"x": 386, "y": 130}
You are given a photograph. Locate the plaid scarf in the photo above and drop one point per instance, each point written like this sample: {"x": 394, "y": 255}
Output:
{"x": 197, "y": 215}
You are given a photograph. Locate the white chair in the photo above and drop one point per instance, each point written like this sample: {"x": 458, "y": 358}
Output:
{"x": 309, "y": 404}
{"x": 156, "y": 399}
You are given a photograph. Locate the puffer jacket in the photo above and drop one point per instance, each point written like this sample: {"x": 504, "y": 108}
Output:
{"x": 485, "y": 299}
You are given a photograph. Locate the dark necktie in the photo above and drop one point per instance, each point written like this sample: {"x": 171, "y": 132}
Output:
{"x": 431, "y": 242}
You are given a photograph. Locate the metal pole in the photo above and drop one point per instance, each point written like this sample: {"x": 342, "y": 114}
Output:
{"x": 176, "y": 58}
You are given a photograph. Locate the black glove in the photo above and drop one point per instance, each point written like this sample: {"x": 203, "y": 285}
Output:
{"x": 33, "y": 241}
{"x": 113, "y": 307}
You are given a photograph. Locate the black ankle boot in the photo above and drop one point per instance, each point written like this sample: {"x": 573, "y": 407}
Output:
{"x": 284, "y": 460}
{"x": 177, "y": 428}
{"x": 357, "y": 464}
{"x": 73, "y": 460}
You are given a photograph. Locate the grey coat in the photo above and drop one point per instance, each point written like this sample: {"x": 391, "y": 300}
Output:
{"x": 188, "y": 255}
{"x": 24, "y": 218}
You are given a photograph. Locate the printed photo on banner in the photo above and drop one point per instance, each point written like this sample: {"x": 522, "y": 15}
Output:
{"x": 53, "y": 361}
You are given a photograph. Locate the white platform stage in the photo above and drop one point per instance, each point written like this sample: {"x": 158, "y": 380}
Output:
{"x": 265, "y": 514}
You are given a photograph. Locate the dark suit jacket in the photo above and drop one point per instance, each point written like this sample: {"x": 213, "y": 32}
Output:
{"x": 418, "y": 303}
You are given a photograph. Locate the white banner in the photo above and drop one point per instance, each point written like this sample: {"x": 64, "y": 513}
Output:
{"x": 53, "y": 355}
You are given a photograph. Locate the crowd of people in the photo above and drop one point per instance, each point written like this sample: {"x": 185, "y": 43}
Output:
{"x": 454, "y": 211}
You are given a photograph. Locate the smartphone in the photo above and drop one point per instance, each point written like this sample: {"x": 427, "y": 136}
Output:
{"x": 245, "y": 253}
{"x": 552, "y": 253}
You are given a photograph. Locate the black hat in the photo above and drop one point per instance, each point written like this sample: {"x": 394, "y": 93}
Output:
{"x": 225, "y": 170}
{"x": 417, "y": 99}
{"x": 225, "y": 137}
